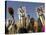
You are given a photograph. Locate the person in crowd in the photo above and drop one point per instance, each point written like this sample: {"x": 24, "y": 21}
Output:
{"x": 41, "y": 19}
{"x": 36, "y": 26}
{"x": 32, "y": 23}
{"x": 23, "y": 30}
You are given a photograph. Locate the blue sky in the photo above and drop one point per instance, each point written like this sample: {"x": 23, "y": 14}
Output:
{"x": 30, "y": 8}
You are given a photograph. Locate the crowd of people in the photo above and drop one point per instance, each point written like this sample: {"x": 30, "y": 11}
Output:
{"x": 31, "y": 25}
